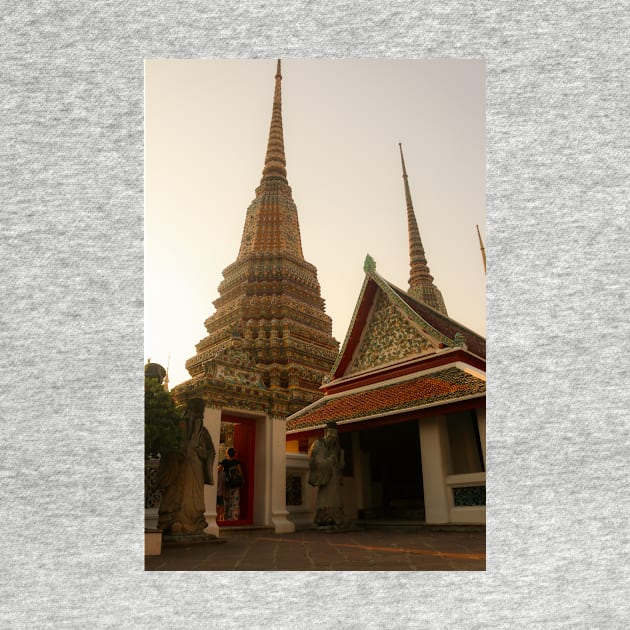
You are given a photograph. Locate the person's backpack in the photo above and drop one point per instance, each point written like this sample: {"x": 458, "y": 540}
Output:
{"x": 233, "y": 477}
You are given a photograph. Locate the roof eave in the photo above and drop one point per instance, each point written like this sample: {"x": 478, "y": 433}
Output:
{"x": 390, "y": 413}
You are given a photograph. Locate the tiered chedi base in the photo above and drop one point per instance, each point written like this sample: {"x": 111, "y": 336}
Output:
{"x": 273, "y": 306}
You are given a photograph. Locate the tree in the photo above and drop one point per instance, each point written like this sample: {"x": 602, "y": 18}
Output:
{"x": 162, "y": 420}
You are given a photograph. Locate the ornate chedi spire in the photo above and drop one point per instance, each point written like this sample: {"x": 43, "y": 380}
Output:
{"x": 275, "y": 162}
{"x": 272, "y": 224}
{"x": 421, "y": 284}
{"x": 270, "y": 300}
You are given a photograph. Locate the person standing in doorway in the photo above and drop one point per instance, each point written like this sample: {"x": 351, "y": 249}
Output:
{"x": 220, "y": 494}
{"x": 233, "y": 482}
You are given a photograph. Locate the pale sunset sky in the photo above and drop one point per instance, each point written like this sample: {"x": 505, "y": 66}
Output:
{"x": 206, "y": 130}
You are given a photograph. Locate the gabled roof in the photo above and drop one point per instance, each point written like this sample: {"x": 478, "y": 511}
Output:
{"x": 388, "y": 325}
{"x": 475, "y": 343}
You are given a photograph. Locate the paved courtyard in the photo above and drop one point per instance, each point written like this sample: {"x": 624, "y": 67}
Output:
{"x": 375, "y": 549}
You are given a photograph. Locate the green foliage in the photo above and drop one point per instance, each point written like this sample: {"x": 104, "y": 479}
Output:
{"x": 162, "y": 420}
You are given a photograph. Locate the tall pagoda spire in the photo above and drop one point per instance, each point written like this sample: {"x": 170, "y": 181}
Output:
{"x": 421, "y": 284}
{"x": 271, "y": 224}
{"x": 275, "y": 161}
{"x": 270, "y": 302}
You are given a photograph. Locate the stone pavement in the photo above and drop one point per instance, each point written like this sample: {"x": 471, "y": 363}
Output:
{"x": 387, "y": 548}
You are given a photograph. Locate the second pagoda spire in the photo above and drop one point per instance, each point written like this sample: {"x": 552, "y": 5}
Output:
{"x": 421, "y": 284}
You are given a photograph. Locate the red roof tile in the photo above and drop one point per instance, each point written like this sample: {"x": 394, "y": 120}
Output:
{"x": 446, "y": 385}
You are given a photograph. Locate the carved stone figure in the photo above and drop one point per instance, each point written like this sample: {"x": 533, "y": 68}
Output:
{"x": 183, "y": 475}
{"x": 326, "y": 464}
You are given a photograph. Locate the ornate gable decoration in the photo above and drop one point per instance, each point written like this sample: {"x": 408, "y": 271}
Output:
{"x": 234, "y": 365}
{"x": 389, "y": 336}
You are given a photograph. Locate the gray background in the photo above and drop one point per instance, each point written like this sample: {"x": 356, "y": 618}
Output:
{"x": 71, "y": 171}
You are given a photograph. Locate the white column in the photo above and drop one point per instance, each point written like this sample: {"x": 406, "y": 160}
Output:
{"x": 279, "y": 512}
{"x": 433, "y": 445}
{"x": 212, "y": 422}
{"x": 481, "y": 425}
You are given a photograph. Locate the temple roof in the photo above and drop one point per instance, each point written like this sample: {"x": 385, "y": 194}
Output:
{"x": 389, "y": 326}
{"x": 475, "y": 343}
{"x": 420, "y": 390}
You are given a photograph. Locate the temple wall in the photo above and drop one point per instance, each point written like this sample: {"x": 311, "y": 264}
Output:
{"x": 301, "y": 514}
{"x": 454, "y": 482}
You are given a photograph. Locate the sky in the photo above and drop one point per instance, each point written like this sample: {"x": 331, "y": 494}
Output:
{"x": 206, "y": 130}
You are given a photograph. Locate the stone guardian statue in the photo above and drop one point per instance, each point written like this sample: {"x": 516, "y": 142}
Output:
{"x": 183, "y": 475}
{"x": 326, "y": 464}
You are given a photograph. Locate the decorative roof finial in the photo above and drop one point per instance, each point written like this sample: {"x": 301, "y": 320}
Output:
{"x": 459, "y": 340}
{"x": 369, "y": 265}
{"x": 421, "y": 284}
{"x": 483, "y": 251}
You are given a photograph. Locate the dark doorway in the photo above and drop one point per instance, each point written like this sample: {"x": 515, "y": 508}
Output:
{"x": 396, "y": 469}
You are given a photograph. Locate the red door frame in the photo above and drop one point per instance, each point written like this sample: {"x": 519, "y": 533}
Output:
{"x": 244, "y": 444}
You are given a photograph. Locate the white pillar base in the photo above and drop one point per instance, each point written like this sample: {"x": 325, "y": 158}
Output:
{"x": 281, "y": 523}
{"x": 212, "y": 528}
